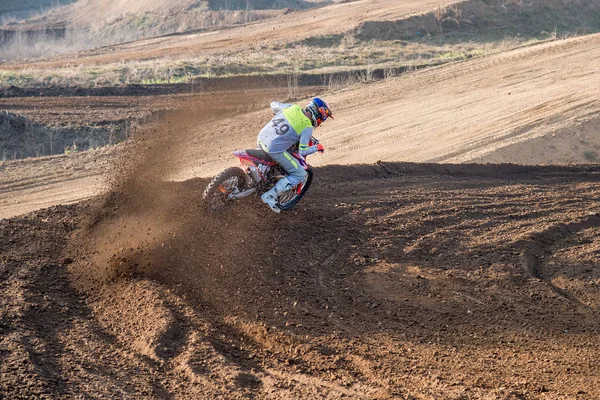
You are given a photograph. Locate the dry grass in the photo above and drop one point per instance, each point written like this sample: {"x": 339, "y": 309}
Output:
{"x": 348, "y": 52}
{"x": 127, "y": 28}
{"x": 293, "y": 60}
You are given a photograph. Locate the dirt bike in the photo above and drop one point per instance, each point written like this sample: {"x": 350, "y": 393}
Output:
{"x": 258, "y": 174}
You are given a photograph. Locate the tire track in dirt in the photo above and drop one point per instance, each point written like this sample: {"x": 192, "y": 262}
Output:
{"x": 540, "y": 246}
{"x": 443, "y": 113}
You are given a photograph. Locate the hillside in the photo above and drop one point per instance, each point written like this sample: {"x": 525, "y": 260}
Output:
{"x": 356, "y": 40}
{"x": 88, "y": 24}
{"x": 333, "y": 19}
{"x": 97, "y": 14}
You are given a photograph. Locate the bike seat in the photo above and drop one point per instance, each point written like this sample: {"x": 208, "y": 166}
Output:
{"x": 261, "y": 154}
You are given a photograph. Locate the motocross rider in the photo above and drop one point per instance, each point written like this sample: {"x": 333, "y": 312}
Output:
{"x": 291, "y": 125}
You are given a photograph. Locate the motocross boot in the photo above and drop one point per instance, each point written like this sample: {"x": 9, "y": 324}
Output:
{"x": 270, "y": 197}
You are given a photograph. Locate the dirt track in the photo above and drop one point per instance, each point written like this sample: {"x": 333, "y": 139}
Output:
{"x": 411, "y": 280}
{"x": 391, "y": 280}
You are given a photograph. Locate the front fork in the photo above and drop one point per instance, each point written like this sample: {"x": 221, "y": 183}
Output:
{"x": 239, "y": 195}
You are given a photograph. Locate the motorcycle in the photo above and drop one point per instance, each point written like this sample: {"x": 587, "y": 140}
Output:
{"x": 258, "y": 174}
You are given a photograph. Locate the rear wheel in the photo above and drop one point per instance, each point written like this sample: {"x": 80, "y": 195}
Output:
{"x": 290, "y": 198}
{"x": 216, "y": 194}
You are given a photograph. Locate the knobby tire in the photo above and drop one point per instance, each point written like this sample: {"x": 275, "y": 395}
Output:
{"x": 291, "y": 203}
{"x": 216, "y": 193}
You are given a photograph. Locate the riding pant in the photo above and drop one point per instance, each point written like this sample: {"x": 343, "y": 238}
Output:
{"x": 296, "y": 174}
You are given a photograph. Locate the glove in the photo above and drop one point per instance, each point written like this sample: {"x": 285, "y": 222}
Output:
{"x": 320, "y": 148}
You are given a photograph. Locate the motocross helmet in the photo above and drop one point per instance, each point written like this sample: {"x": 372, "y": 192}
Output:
{"x": 319, "y": 111}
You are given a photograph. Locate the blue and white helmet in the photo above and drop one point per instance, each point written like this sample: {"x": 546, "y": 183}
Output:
{"x": 319, "y": 111}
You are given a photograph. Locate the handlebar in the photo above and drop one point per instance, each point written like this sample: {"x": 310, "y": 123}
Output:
{"x": 312, "y": 142}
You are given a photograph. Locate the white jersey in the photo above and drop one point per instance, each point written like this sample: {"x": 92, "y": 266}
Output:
{"x": 288, "y": 127}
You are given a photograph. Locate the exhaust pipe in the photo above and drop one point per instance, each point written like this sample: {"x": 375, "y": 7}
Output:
{"x": 245, "y": 193}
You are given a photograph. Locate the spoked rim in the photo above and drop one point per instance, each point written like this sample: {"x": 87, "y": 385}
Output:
{"x": 287, "y": 197}
{"x": 220, "y": 198}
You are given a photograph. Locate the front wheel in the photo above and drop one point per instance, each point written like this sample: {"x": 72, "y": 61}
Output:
{"x": 290, "y": 198}
{"x": 216, "y": 195}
